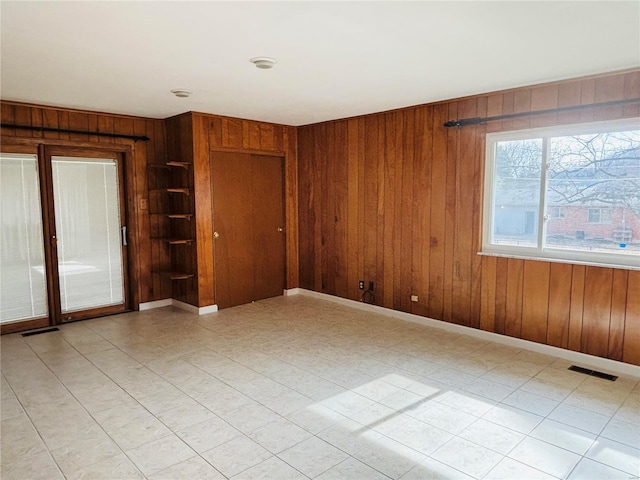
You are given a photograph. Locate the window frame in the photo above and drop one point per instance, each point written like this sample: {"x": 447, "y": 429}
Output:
{"x": 541, "y": 251}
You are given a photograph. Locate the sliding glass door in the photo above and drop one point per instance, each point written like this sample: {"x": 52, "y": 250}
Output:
{"x": 88, "y": 233}
{"x": 62, "y": 237}
{"x": 23, "y": 288}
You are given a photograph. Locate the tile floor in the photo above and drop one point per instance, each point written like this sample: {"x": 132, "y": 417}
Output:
{"x": 296, "y": 388}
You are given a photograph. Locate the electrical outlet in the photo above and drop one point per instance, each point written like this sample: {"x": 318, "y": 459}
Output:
{"x": 414, "y": 298}
{"x": 361, "y": 284}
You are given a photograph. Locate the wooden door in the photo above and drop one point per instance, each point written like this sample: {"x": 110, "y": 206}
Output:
{"x": 248, "y": 217}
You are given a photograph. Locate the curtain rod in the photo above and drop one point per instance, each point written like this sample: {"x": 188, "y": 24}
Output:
{"x": 478, "y": 120}
{"x": 135, "y": 138}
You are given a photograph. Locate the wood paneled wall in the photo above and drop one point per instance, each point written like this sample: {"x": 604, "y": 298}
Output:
{"x": 144, "y": 289}
{"x": 211, "y": 133}
{"x": 396, "y": 198}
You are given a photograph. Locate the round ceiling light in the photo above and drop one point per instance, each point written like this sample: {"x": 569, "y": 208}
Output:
{"x": 181, "y": 92}
{"x": 264, "y": 63}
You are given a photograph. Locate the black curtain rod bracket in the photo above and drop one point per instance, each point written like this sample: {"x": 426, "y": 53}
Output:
{"x": 135, "y": 138}
{"x": 480, "y": 121}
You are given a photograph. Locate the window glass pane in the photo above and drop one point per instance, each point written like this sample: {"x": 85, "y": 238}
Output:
{"x": 86, "y": 199}
{"x": 595, "y": 179}
{"x": 22, "y": 274}
{"x": 516, "y": 194}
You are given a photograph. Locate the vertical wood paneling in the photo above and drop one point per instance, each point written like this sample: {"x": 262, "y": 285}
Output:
{"x": 439, "y": 166}
{"x": 618, "y": 314}
{"x": 631, "y": 347}
{"x": 412, "y": 191}
{"x": 559, "y": 305}
{"x": 535, "y": 301}
{"x": 596, "y": 317}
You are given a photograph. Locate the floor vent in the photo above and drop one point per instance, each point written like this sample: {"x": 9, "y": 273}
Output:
{"x": 593, "y": 373}
{"x": 28, "y": 334}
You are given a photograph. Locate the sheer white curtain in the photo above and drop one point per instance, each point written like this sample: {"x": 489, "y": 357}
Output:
{"x": 87, "y": 208}
{"x": 23, "y": 292}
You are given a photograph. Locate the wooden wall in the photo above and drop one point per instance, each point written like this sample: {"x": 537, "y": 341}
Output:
{"x": 144, "y": 289}
{"x": 396, "y": 198}
{"x": 211, "y": 133}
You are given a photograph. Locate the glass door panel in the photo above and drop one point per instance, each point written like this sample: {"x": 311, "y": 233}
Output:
{"x": 23, "y": 289}
{"x": 86, "y": 195}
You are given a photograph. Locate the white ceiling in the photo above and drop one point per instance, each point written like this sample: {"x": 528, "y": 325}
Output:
{"x": 335, "y": 59}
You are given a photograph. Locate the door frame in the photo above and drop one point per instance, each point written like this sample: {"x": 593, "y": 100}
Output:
{"x": 53, "y": 274}
{"x": 131, "y": 265}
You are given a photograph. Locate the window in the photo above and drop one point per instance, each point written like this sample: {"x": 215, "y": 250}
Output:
{"x": 599, "y": 215}
{"x": 556, "y": 212}
{"x": 586, "y": 178}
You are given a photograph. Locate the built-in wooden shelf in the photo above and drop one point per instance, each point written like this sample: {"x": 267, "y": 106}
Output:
{"x": 184, "y": 191}
{"x": 184, "y": 165}
{"x": 176, "y": 275}
{"x": 174, "y": 241}
{"x": 181, "y": 216}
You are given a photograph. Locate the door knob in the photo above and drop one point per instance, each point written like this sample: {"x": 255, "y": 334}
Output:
{"x": 216, "y": 235}
{"x": 280, "y": 229}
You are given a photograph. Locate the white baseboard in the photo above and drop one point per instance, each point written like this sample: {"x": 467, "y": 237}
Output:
{"x": 582, "y": 359}
{"x": 167, "y": 302}
{"x": 155, "y": 304}
{"x": 193, "y": 309}
{"x": 291, "y": 291}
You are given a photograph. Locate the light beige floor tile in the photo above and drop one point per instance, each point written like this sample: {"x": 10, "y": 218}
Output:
{"x": 578, "y": 417}
{"x": 33, "y": 467}
{"x": 278, "y": 435}
{"x": 623, "y": 432}
{"x": 287, "y": 402}
{"x": 315, "y": 418}
{"x": 545, "y": 457}
{"x": 447, "y": 418}
{"x": 547, "y": 389}
{"x": 530, "y": 402}
{"x": 488, "y": 389}
{"x": 509, "y": 469}
{"x": 352, "y": 469}
{"x": 467, "y": 457}
{"x": 449, "y": 376}
{"x": 513, "y": 418}
{"x": 390, "y": 457}
{"x": 118, "y": 467}
{"x": 420, "y": 436}
{"x": 616, "y": 455}
{"x": 313, "y": 456}
{"x": 236, "y": 456}
{"x": 121, "y": 414}
{"x": 195, "y": 468}
{"x": 185, "y": 416}
{"x": 19, "y": 439}
{"x": 10, "y": 407}
{"x": 153, "y": 457}
{"x": 492, "y": 436}
{"x": 403, "y": 400}
{"x": 271, "y": 469}
{"x": 563, "y": 436}
{"x": 208, "y": 434}
{"x": 165, "y": 400}
{"x": 466, "y": 402}
{"x": 250, "y": 417}
{"x": 434, "y": 470}
{"x": 376, "y": 390}
{"x": 138, "y": 432}
{"x": 347, "y": 403}
{"x": 350, "y": 436}
{"x": 590, "y": 470}
{"x": 84, "y": 453}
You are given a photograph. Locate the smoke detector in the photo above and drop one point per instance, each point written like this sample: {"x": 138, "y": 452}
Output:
{"x": 181, "y": 92}
{"x": 264, "y": 63}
